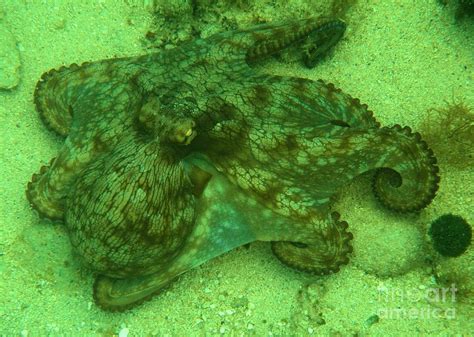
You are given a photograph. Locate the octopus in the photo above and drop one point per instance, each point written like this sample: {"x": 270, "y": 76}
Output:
{"x": 173, "y": 158}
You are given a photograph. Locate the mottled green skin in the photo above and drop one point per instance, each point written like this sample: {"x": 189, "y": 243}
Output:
{"x": 176, "y": 157}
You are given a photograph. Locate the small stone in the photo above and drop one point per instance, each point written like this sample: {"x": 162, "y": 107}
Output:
{"x": 240, "y": 302}
{"x": 59, "y": 24}
{"x": 9, "y": 60}
{"x": 198, "y": 321}
{"x": 123, "y": 332}
{"x": 372, "y": 320}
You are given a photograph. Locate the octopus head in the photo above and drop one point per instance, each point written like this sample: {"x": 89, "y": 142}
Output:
{"x": 171, "y": 124}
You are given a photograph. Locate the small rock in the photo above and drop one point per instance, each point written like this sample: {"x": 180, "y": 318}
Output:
{"x": 59, "y": 24}
{"x": 240, "y": 302}
{"x": 123, "y": 332}
{"x": 9, "y": 60}
{"x": 372, "y": 320}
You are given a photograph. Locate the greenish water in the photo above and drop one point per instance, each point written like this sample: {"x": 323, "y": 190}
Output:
{"x": 401, "y": 58}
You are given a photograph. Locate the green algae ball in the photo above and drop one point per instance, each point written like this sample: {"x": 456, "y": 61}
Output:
{"x": 451, "y": 235}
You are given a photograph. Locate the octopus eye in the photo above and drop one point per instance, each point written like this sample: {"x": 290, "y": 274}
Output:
{"x": 183, "y": 132}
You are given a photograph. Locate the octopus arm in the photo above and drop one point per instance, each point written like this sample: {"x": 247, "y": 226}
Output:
{"x": 242, "y": 48}
{"x": 48, "y": 189}
{"x": 60, "y": 93}
{"x": 406, "y": 172}
{"x": 324, "y": 252}
{"x": 409, "y": 178}
{"x": 271, "y": 138}
{"x": 103, "y": 112}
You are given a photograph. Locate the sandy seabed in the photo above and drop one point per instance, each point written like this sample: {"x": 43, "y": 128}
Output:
{"x": 401, "y": 58}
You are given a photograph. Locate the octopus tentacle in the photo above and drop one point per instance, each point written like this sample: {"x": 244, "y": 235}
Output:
{"x": 85, "y": 140}
{"x": 348, "y": 152}
{"x": 235, "y": 53}
{"x": 324, "y": 253}
{"x": 241, "y": 48}
{"x": 408, "y": 179}
{"x": 59, "y": 93}
{"x": 318, "y": 36}
{"x": 48, "y": 190}
{"x": 275, "y": 138}
{"x": 55, "y": 114}
{"x": 321, "y": 40}
{"x": 410, "y": 183}
{"x": 117, "y": 295}
{"x": 36, "y": 193}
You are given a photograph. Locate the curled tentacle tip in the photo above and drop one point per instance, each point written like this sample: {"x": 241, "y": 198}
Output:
{"x": 410, "y": 184}
{"x": 329, "y": 251}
